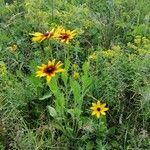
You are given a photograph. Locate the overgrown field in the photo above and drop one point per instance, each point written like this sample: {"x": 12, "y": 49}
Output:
{"x": 74, "y": 74}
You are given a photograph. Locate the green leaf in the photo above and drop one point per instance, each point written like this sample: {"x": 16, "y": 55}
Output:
{"x": 65, "y": 75}
{"x": 45, "y": 96}
{"x": 86, "y": 79}
{"x": 76, "y": 89}
{"x": 76, "y": 112}
{"x": 90, "y": 145}
{"x": 60, "y": 99}
{"x": 52, "y": 111}
{"x": 85, "y": 68}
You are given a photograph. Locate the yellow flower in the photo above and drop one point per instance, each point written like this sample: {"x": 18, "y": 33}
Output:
{"x": 75, "y": 75}
{"x": 132, "y": 46}
{"x": 116, "y": 48}
{"x": 138, "y": 37}
{"x": 93, "y": 56}
{"x": 137, "y": 41}
{"x": 13, "y": 48}
{"x": 64, "y": 35}
{"x": 109, "y": 53}
{"x": 98, "y": 109}
{"x": 49, "y": 70}
{"x": 39, "y": 37}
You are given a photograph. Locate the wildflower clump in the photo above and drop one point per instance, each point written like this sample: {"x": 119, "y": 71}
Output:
{"x": 110, "y": 54}
{"x": 140, "y": 46}
{"x": 58, "y": 33}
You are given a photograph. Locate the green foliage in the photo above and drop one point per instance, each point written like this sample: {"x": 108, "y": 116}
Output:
{"x": 108, "y": 59}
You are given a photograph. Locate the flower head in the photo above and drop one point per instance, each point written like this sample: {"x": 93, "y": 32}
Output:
{"x": 64, "y": 35}
{"x": 93, "y": 56}
{"x": 39, "y": 37}
{"x": 98, "y": 109}
{"x": 13, "y": 48}
{"x": 49, "y": 70}
{"x": 76, "y": 75}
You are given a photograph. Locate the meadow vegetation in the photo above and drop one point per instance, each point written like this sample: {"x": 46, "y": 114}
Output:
{"x": 74, "y": 74}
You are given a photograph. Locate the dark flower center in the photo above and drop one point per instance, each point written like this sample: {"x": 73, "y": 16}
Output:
{"x": 46, "y": 34}
{"x": 98, "y": 109}
{"x": 50, "y": 69}
{"x": 64, "y": 36}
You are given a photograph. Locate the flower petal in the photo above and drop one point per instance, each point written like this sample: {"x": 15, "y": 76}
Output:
{"x": 105, "y": 109}
{"x": 37, "y": 39}
{"x": 36, "y": 34}
{"x": 59, "y": 64}
{"x": 103, "y": 113}
{"x": 93, "y": 108}
{"x": 103, "y": 105}
{"x": 53, "y": 62}
{"x": 48, "y": 78}
{"x": 98, "y": 115}
{"x": 93, "y": 104}
{"x": 49, "y": 63}
{"x": 40, "y": 74}
{"x": 98, "y": 103}
{"x": 93, "y": 113}
{"x": 59, "y": 70}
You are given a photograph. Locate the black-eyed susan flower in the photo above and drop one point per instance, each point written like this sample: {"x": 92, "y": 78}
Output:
{"x": 64, "y": 35}
{"x": 39, "y": 37}
{"x": 49, "y": 70}
{"x": 98, "y": 109}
